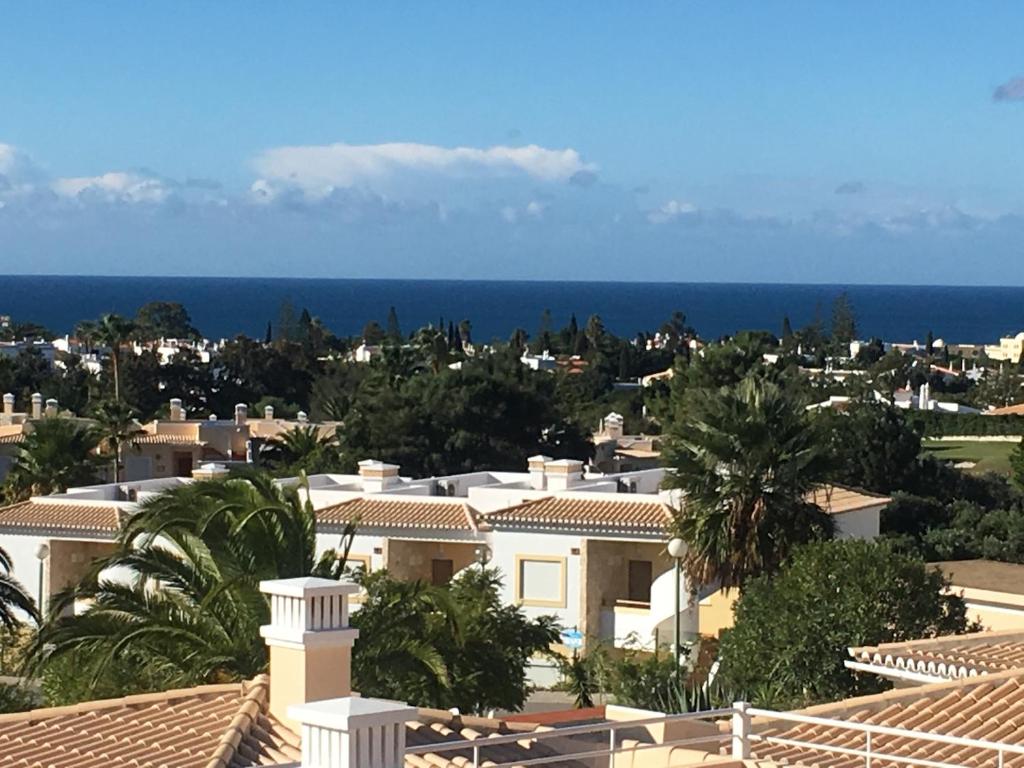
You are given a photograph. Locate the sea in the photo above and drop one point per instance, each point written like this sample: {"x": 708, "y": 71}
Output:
{"x": 226, "y": 307}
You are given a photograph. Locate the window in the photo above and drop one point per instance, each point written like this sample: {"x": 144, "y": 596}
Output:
{"x": 640, "y": 581}
{"x": 183, "y": 464}
{"x": 540, "y": 580}
{"x": 441, "y": 572}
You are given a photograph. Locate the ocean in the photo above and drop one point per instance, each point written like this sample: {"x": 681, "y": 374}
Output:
{"x": 224, "y": 307}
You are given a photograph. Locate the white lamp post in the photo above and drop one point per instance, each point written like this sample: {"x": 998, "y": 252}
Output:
{"x": 676, "y": 550}
{"x": 42, "y": 553}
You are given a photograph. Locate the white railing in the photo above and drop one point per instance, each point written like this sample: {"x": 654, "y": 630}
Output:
{"x": 611, "y": 730}
{"x": 738, "y": 739}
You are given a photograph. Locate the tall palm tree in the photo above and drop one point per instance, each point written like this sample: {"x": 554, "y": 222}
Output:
{"x": 113, "y": 331}
{"x": 56, "y": 455}
{"x": 14, "y": 598}
{"x": 191, "y": 607}
{"x": 117, "y": 426}
{"x": 302, "y": 448}
{"x": 746, "y": 457}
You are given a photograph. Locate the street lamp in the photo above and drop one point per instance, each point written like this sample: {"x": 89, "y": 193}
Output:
{"x": 42, "y": 553}
{"x": 676, "y": 550}
{"x": 483, "y": 555}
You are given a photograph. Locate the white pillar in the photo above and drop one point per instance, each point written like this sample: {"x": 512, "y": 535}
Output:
{"x": 740, "y": 730}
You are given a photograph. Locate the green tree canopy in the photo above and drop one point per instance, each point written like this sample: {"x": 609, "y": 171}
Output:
{"x": 792, "y": 630}
{"x": 746, "y": 458}
{"x": 56, "y": 455}
{"x": 15, "y": 601}
{"x": 164, "y": 320}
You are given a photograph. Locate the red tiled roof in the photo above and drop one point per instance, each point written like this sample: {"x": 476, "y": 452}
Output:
{"x": 215, "y": 725}
{"x": 95, "y": 518}
{"x": 148, "y": 439}
{"x": 949, "y": 657}
{"x": 400, "y": 513}
{"x": 610, "y": 511}
{"x": 12, "y": 439}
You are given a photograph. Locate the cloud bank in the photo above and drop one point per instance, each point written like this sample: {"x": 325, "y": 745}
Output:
{"x": 418, "y": 211}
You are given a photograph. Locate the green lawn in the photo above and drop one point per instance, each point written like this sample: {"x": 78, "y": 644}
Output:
{"x": 989, "y": 456}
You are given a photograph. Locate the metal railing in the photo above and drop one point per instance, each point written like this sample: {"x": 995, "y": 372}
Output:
{"x": 739, "y": 740}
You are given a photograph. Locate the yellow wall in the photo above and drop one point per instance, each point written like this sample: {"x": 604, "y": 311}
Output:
{"x": 69, "y": 561}
{"x": 605, "y": 566}
{"x": 715, "y": 612}
{"x": 411, "y": 560}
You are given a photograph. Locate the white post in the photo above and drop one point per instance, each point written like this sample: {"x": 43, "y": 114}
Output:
{"x": 740, "y": 730}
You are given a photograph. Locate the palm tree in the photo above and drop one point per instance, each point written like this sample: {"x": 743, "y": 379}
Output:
{"x": 113, "y": 331}
{"x": 117, "y": 427}
{"x": 191, "y": 607}
{"x": 745, "y": 457}
{"x": 13, "y": 597}
{"x": 56, "y": 455}
{"x": 303, "y": 448}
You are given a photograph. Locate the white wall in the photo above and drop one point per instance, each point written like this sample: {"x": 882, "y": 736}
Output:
{"x": 859, "y": 524}
{"x": 22, "y": 550}
{"x": 506, "y": 545}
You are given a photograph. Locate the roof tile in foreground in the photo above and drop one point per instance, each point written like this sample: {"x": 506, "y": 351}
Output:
{"x": 401, "y": 513}
{"x": 951, "y": 657}
{"x": 988, "y": 708}
{"x": 213, "y": 726}
{"x": 607, "y": 511}
{"x": 50, "y": 516}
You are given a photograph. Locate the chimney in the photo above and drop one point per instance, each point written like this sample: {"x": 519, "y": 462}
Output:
{"x": 310, "y": 644}
{"x": 352, "y": 732}
{"x": 536, "y": 466}
{"x": 302, "y": 417}
{"x": 8, "y": 407}
{"x": 612, "y": 425}
{"x": 177, "y": 412}
{"x": 52, "y": 406}
{"x": 241, "y": 414}
{"x": 377, "y": 476}
{"x": 268, "y": 412}
{"x": 37, "y": 406}
{"x": 563, "y": 474}
{"x": 924, "y": 397}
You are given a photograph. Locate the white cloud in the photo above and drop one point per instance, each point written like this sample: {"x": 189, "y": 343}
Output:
{"x": 673, "y": 209}
{"x": 114, "y": 187}
{"x": 318, "y": 170}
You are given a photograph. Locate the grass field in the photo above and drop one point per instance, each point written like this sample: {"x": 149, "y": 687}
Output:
{"x": 988, "y": 456}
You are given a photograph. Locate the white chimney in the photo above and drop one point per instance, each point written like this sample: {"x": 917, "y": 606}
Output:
{"x": 52, "y": 407}
{"x": 924, "y": 398}
{"x": 8, "y": 406}
{"x": 353, "y": 732}
{"x": 536, "y": 466}
{"x": 612, "y": 425}
{"x": 563, "y": 474}
{"x": 37, "y": 406}
{"x": 177, "y": 413}
{"x": 241, "y": 414}
{"x": 377, "y": 476}
{"x": 268, "y": 412}
{"x": 302, "y": 417}
{"x": 310, "y": 642}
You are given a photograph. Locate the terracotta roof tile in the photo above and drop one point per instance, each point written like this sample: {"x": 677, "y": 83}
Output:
{"x": 952, "y": 657}
{"x": 148, "y": 439}
{"x": 215, "y": 726}
{"x": 989, "y": 708}
{"x": 609, "y": 511}
{"x": 94, "y": 518}
{"x": 14, "y": 439}
{"x": 401, "y": 513}
{"x": 836, "y": 499}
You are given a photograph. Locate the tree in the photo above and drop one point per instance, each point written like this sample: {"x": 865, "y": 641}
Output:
{"x": 302, "y": 449}
{"x": 56, "y": 455}
{"x": 373, "y": 334}
{"x": 787, "y": 329}
{"x": 844, "y": 322}
{"x": 746, "y": 457}
{"x": 792, "y": 630}
{"x": 117, "y": 426}
{"x": 1017, "y": 466}
{"x": 15, "y": 600}
{"x": 164, "y": 320}
{"x": 443, "y": 647}
{"x": 286, "y": 324}
{"x": 111, "y": 331}
{"x": 873, "y": 445}
{"x": 394, "y": 331}
{"x": 190, "y": 607}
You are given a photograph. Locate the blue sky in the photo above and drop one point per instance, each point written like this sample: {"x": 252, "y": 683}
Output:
{"x": 821, "y": 142}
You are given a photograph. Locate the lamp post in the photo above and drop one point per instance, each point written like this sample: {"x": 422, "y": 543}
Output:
{"x": 483, "y": 555}
{"x": 676, "y": 550}
{"x": 42, "y": 553}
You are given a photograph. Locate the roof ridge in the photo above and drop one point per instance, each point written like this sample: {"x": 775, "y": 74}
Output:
{"x": 254, "y": 703}
{"x": 133, "y": 700}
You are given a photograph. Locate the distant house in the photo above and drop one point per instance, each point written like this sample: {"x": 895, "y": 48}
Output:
{"x": 993, "y": 591}
{"x": 1009, "y": 348}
